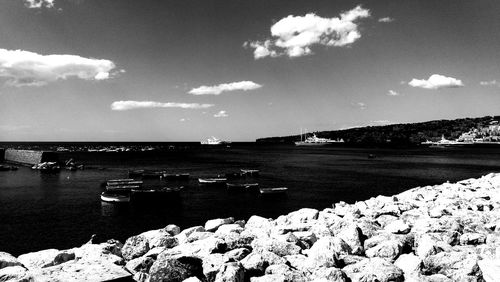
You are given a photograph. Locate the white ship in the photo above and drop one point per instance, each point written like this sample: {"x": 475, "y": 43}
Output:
{"x": 316, "y": 141}
{"x": 214, "y": 141}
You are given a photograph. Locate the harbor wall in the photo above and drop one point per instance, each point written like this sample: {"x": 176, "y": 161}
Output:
{"x": 29, "y": 157}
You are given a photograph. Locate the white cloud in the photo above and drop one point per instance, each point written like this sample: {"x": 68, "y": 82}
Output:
{"x": 221, "y": 114}
{"x": 294, "y": 36}
{"x": 392, "y": 93}
{"x": 359, "y": 105}
{"x": 224, "y": 87}
{"x": 488, "y": 83}
{"x": 130, "y": 105}
{"x": 385, "y": 20}
{"x": 24, "y": 68}
{"x": 37, "y": 4}
{"x": 436, "y": 81}
{"x": 183, "y": 119}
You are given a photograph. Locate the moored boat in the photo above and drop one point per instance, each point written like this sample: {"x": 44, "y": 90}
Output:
{"x": 273, "y": 191}
{"x": 242, "y": 186}
{"x": 121, "y": 188}
{"x": 249, "y": 172}
{"x": 214, "y": 180}
{"x": 114, "y": 198}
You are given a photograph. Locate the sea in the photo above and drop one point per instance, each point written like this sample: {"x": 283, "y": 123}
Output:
{"x": 63, "y": 210}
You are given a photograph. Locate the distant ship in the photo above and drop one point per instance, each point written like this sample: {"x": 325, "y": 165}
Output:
{"x": 316, "y": 141}
{"x": 214, "y": 141}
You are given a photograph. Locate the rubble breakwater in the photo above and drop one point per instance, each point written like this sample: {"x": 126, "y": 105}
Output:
{"x": 446, "y": 232}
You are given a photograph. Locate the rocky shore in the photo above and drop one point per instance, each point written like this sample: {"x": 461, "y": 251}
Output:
{"x": 447, "y": 232}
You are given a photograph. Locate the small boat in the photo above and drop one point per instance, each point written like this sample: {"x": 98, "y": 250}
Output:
{"x": 114, "y": 198}
{"x": 250, "y": 172}
{"x": 211, "y": 180}
{"x": 176, "y": 176}
{"x": 162, "y": 191}
{"x": 123, "y": 188}
{"x": 121, "y": 180}
{"x": 243, "y": 186}
{"x": 120, "y": 183}
{"x": 273, "y": 191}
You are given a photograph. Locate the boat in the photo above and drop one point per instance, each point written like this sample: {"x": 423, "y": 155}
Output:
{"x": 212, "y": 180}
{"x": 214, "y": 141}
{"x": 273, "y": 191}
{"x": 250, "y": 172}
{"x": 176, "y": 176}
{"x": 121, "y": 188}
{"x": 315, "y": 140}
{"x": 162, "y": 191}
{"x": 126, "y": 182}
{"x": 120, "y": 180}
{"x": 114, "y": 198}
{"x": 242, "y": 186}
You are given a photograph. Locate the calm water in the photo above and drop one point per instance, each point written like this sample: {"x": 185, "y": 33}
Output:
{"x": 39, "y": 211}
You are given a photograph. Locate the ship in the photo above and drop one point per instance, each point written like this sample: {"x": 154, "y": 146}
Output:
{"x": 214, "y": 141}
{"x": 477, "y": 137}
{"x": 316, "y": 141}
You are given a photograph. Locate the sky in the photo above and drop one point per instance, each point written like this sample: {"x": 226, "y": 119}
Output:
{"x": 128, "y": 70}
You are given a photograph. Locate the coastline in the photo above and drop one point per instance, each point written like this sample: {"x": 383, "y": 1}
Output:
{"x": 445, "y": 232}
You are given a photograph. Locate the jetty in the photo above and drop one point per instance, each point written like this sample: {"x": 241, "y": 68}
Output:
{"x": 446, "y": 232}
{"x": 28, "y": 157}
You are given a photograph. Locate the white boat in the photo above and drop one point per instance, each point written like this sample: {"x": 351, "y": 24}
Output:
{"x": 211, "y": 180}
{"x": 214, "y": 141}
{"x": 316, "y": 141}
{"x": 249, "y": 172}
{"x": 114, "y": 198}
{"x": 271, "y": 191}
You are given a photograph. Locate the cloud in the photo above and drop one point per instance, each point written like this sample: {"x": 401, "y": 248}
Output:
{"x": 385, "y": 20}
{"x": 294, "y": 36}
{"x": 488, "y": 83}
{"x": 392, "y": 93}
{"x": 24, "y": 68}
{"x": 183, "y": 119}
{"x": 38, "y": 4}
{"x": 130, "y": 105}
{"x": 224, "y": 87}
{"x": 221, "y": 114}
{"x": 436, "y": 81}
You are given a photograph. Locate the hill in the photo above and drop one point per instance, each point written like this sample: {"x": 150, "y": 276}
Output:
{"x": 397, "y": 135}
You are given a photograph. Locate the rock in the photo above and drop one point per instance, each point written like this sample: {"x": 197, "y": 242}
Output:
{"x": 197, "y": 235}
{"x": 213, "y": 224}
{"x": 259, "y": 222}
{"x": 458, "y": 266}
{"x": 236, "y": 254}
{"x": 426, "y": 246}
{"x": 141, "y": 264}
{"x": 269, "y": 278}
{"x": 229, "y": 228}
{"x": 351, "y": 234}
{"x": 389, "y": 250}
{"x": 211, "y": 265}
{"x": 325, "y": 252}
{"x": 397, "y": 227}
{"x": 304, "y": 215}
{"x": 234, "y": 240}
{"x": 142, "y": 277}
{"x": 15, "y": 273}
{"x": 182, "y": 237}
{"x": 82, "y": 270}
{"x": 176, "y": 268}
{"x": 7, "y": 259}
{"x": 472, "y": 239}
{"x": 385, "y": 219}
{"x": 306, "y": 236}
{"x": 254, "y": 264}
{"x": 369, "y": 228}
{"x": 172, "y": 229}
{"x": 160, "y": 238}
{"x": 410, "y": 264}
{"x": 374, "y": 270}
{"x": 45, "y": 258}
{"x": 109, "y": 251}
{"x": 278, "y": 247}
{"x": 329, "y": 274}
{"x": 490, "y": 269}
{"x": 351, "y": 259}
{"x": 200, "y": 248}
{"x": 231, "y": 272}
{"x": 192, "y": 279}
{"x": 135, "y": 246}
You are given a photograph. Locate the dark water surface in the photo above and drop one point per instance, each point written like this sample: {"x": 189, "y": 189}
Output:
{"x": 40, "y": 211}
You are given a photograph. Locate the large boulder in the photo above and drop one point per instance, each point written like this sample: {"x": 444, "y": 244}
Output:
{"x": 7, "y": 259}
{"x": 254, "y": 264}
{"x": 410, "y": 264}
{"x": 211, "y": 265}
{"x": 45, "y": 258}
{"x": 236, "y": 254}
{"x": 231, "y": 272}
{"x": 374, "y": 270}
{"x": 490, "y": 269}
{"x": 329, "y": 274}
{"x": 389, "y": 250}
{"x": 325, "y": 252}
{"x": 135, "y": 246}
{"x": 109, "y": 251}
{"x": 15, "y": 273}
{"x": 459, "y": 266}
{"x": 160, "y": 238}
{"x": 213, "y": 224}
{"x": 176, "y": 268}
{"x": 351, "y": 234}
{"x": 141, "y": 264}
{"x": 397, "y": 227}
{"x": 82, "y": 270}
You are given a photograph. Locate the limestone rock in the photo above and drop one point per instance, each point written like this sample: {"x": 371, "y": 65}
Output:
{"x": 329, "y": 274}
{"x": 173, "y": 229}
{"x": 472, "y": 239}
{"x": 135, "y": 246}
{"x": 45, "y": 258}
{"x": 490, "y": 269}
{"x": 15, "y": 273}
{"x": 231, "y": 272}
{"x": 397, "y": 227}
{"x": 213, "y": 224}
{"x": 458, "y": 266}
{"x": 410, "y": 264}
{"x": 325, "y": 252}
{"x": 176, "y": 268}
{"x": 374, "y": 270}
{"x": 254, "y": 264}
{"x": 7, "y": 259}
{"x": 141, "y": 264}
{"x": 236, "y": 254}
{"x": 211, "y": 265}
{"x": 351, "y": 234}
{"x": 389, "y": 250}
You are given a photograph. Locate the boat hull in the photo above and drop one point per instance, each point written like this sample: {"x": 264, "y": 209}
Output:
{"x": 114, "y": 198}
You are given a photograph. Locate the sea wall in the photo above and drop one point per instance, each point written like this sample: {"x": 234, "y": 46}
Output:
{"x": 447, "y": 232}
{"x": 29, "y": 157}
